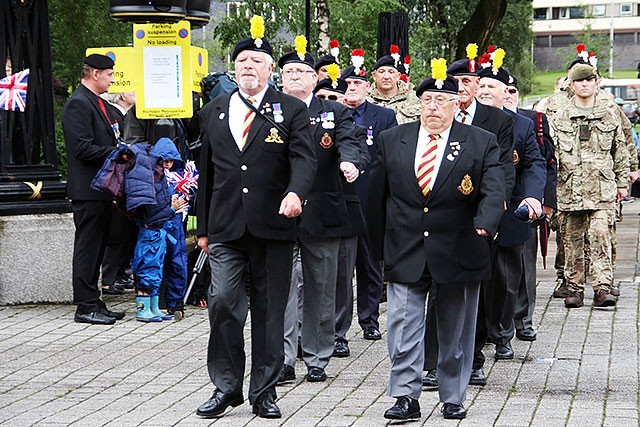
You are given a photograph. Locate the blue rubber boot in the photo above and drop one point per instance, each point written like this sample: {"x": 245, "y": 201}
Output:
{"x": 143, "y": 303}
{"x": 155, "y": 309}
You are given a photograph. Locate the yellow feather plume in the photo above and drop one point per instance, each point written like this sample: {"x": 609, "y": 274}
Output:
{"x": 439, "y": 69}
{"x": 257, "y": 27}
{"x": 498, "y": 58}
{"x": 301, "y": 46}
{"x": 472, "y": 50}
{"x": 333, "y": 70}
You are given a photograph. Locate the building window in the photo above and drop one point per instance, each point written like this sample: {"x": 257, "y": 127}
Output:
{"x": 569, "y": 12}
{"x": 598, "y": 10}
{"x": 541, "y": 14}
{"x": 625, "y": 9}
{"x": 625, "y": 38}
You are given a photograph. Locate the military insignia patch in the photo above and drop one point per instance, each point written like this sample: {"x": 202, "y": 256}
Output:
{"x": 326, "y": 141}
{"x": 466, "y": 186}
{"x": 274, "y": 136}
{"x": 516, "y": 157}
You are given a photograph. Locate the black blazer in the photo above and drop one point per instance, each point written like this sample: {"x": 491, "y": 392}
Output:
{"x": 333, "y": 134}
{"x": 89, "y": 138}
{"x": 354, "y": 205}
{"x": 500, "y": 124}
{"x": 243, "y": 190}
{"x": 548, "y": 151}
{"x": 439, "y": 232}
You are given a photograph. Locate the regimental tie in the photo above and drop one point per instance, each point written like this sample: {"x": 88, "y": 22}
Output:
{"x": 427, "y": 164}
{"x": 248, "y": 119}
{"x": 463, "y": 115}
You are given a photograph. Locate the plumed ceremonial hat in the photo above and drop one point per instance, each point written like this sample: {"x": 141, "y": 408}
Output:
{"x": 256, "y": 42}
{"x": 439, "y": 81}
{"x": 299, "y": 55}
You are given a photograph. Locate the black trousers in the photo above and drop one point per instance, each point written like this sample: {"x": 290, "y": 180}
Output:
{"x": 91, "y": 219}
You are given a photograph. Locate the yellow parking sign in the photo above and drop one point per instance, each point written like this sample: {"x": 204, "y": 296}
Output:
{"x": 124, "y": 69}
{"x": 199, "y": 67}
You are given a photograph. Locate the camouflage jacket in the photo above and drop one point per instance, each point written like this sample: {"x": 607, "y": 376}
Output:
{"x": 405, "y": 103}
{"x": 593, "y": 158}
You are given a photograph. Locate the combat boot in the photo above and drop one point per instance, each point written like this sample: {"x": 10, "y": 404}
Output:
{"x": 603, "y": 298}
{"x": 574, "y": 300}
{"x": 562, "y": 291}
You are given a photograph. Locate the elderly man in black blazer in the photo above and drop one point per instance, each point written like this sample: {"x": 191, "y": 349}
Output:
{"x": 91, "y": 128}
{"x": 256, "y": 167}
{"x": 438, "y": 199}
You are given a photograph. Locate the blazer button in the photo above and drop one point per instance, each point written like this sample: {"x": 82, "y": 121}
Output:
{"x": 426, "y": 234}
{"x": 425, "y": 210}
{"x": 245, "y": 190}
{"x": 243, "y": 167}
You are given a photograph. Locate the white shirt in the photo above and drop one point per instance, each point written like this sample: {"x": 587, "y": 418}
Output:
{"x": 423, "y": 140}
{"x": 471, "y": 113}
{"x": 238, "y": 110}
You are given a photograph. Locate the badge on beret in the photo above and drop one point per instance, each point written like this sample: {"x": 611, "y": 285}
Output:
{"x": 516, "y": 157}
{"x": 274, "y": 136}
{"x": 326, "y": 141}
{"x": 466, "y": 186}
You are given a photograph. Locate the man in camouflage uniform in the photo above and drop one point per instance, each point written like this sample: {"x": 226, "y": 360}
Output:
{"x": 390, "y": 91}
{"x": 593, "y": 170}
{"x": 556, "y": 103}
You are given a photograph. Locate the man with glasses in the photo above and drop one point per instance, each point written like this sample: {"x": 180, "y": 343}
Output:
{"x": 436, "y": 199}
{"x": 324, "y": 220}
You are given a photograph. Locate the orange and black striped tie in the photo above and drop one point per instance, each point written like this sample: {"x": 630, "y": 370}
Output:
{"x": 248, "y": 119}
{"x": 427, "y": 164}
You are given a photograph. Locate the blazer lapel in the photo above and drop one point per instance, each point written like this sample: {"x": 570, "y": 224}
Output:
{"x": 408, "y": 144}
{"x": 93, "y": 100}
{"x": 221, "y": 114}
{"x": 452, "y": 152}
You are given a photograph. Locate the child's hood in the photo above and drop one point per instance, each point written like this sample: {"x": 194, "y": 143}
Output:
{"x": 166, "y": 149}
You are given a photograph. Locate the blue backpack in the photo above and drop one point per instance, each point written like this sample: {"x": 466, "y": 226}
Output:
{"x": 217, "y": 84}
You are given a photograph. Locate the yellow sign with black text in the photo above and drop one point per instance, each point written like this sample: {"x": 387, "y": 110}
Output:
{"x": 199, "y": 67}
{"x": 124, "y": 69}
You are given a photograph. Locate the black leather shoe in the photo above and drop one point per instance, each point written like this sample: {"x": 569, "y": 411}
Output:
{"x": 118, "y": 315}
{"x": 372, "y": 334}
{"x": 527, "y": 334}
{"x": 265, "y": 407}
{"x": 451, "y": 411}
{"x": 406, "y": 408}
{"x": 504, "y": 351}
{"x": 287, "y": 374}
{"x": 316, "y": 375}
{"x": 113, "y": 289}
{"x": 95, "y": 318}
{"x": 430, "y": 379}
{"x": 219, "y": 403}
{"x": 341, "y": 348}
{"x": 477, "y": 377}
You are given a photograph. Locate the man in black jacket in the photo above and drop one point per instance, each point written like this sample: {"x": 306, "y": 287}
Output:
{"x": 91, "y": 129}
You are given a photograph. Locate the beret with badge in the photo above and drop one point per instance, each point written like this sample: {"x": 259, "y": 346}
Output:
{"x": 356, "y": 70}
{"x": 467, "y": 66}
{"x": 299, "y": 55}
{"x": 332, "y": 83}
{"x": 439, "y": 81}
{"x": 331, "y": 58}
{"x": 491, "y": 65}
{"x": 256, "y": 42}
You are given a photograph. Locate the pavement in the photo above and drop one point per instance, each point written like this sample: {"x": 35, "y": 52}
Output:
{"x": 581, "y": 371}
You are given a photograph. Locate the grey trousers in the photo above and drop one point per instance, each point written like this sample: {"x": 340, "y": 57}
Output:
{"x": 293, "y": 311}
{"x": 456, "y": 307}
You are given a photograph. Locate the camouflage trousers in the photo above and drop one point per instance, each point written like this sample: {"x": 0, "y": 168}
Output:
{"x": 587, "y": 238}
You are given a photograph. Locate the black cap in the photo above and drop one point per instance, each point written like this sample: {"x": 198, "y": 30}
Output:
{"x": 258, "y": 45}
{"x": 578, "y": 60}
{"x": 99, "y": 62}
{"x": 513, "y": 81}
{"x": 388, "y": 61}
{"x": 501, "y": 75}
{"x": 450, "y": 85}
{"x": 293, "y": 57}
{"x": 325, "y": 60}
{"x": 463, "y": 67}
{"x": 339, "y": 85}
{"x": 350, "y": 73}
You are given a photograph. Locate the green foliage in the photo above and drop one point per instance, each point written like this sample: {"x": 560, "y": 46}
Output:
{"x": 76, "y": 25}
{"x": 599, "y": 43}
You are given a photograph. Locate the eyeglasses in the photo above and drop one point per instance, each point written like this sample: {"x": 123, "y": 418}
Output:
{"x": 290, "y": 73}
{"x": 329, "y": 97}
{"x": 513, "y": 91}
{"x": 438, "y": 100}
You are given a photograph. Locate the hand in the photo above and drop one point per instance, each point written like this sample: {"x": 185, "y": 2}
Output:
{"x": 534, "y": 205}
{"x": 179, "y": 203}
{"x": 548, "y": 210}
{"x": 291, "y": 206}
{"x": 203, "y": 243}
{"x": 482, "y": 232}
{"x": 633, "y": 176}
{"x": 350, "y": 171}
{"x": 622, "y": 193}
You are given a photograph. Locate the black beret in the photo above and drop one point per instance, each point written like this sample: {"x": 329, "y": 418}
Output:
{"x": 325, "y": 60}
{"x": 99, "y": 62}
{"x": 578, "y": 60}
{"x": 252, "y": 44}
{"x": 512, "y": 81}
{"x": 328, "y": 84}
{"x": 388, "y": 61}
{"x": 462, "y": 67}
{"x": 502, "y": 75}
{"x": 450, "y": 85}
{"x": 350, "y": 73}
{"x": 292, "y": 57}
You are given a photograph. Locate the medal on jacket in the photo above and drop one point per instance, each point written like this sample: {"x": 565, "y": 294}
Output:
{"x": 116, "y": 129}
{"x": 278, "y": 117}
{"x": 327, "y": 120}
{"x": 369, "y": 136}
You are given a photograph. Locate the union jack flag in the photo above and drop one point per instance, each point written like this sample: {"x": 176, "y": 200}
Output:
{"x": 185, "y": 182}
{"x": 13, "y": 91}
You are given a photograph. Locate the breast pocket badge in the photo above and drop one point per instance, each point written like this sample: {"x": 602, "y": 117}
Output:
{"x": 326, "y": 141}
{"x": 274, "y": 137}
{"x": 466, "y": 186}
